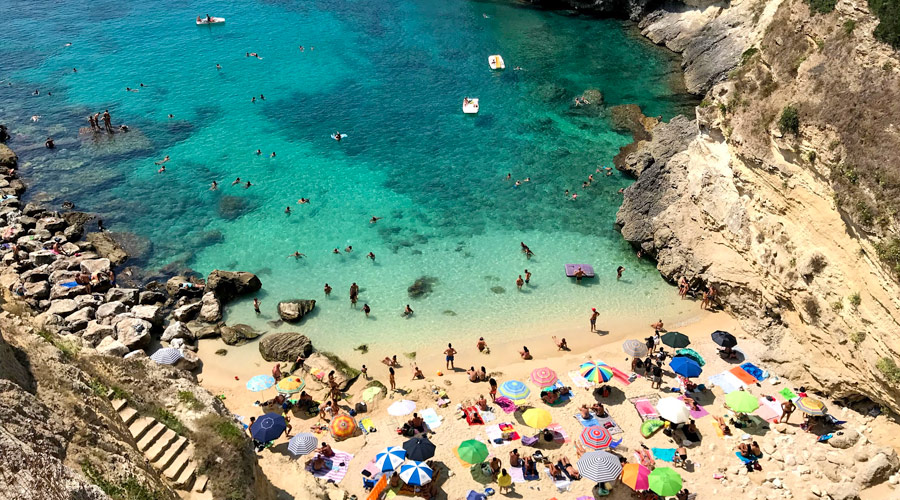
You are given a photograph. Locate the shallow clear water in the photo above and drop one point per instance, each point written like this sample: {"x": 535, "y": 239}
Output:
{"x": 392, "y": 77}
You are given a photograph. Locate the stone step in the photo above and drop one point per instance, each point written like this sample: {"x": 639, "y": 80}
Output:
{"x": 179, "y": 462}
{"x": 140, "y": 427}
{"x": 128, "y": 415}
{"x": 119, "y": 404}
{"x": 163, "y": 462}
{"x": 110, "y": 393}
{"x": 150, "y": 437}
{"x": 200, "y": 483}
{"x": 186, "y": 478}
{"x": 162, "y": 444}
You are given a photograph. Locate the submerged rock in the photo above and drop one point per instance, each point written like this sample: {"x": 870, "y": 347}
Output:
{"x": 295, "y": 310}
{"x": 422, "y": 287}
{"x": 498, "y": 289}
{"x": 284, "y": 346}
{"x": 238, "y": 334}
{"x": 232, "y": 207}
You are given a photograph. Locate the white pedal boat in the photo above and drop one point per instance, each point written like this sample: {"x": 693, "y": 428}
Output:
{"x": 496, "y": 62}
{"x": 470, "y": 106}
{"x": 201, "y": 20}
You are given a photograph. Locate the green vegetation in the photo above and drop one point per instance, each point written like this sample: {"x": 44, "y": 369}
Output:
{"x": 410, "y": 355}
{"x": 69, "y": 351}
{"x": 822, "y": 6}
{"x": 820, "y": 44}
{"x": 169, "y": 420}
{"x": 855, "y": 300}
{"x": 789, "y": 120}
{"x": 130, "y": 489}
{"x": 811, "y": 156}
{"x": 837, "y": 306}
{"x": 748, "y": 54}
{"x": 857, "y": 338}
{"x": 363, "y": 348}
{"x": 848, "y": 172}
{"x": 889, "y": 253}
{"x": 888, "y": 368}
{"x": 864, "y": 213}
{"x": 188, "y": 399}
{"x": 849, "y": 26}
{"x": 222, "y": 452}
{"x": 340, "y": 364}
{"x": 888, "y": 13}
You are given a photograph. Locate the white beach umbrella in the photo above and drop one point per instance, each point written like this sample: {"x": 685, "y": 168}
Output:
{"x": 167, "y": 356}
{"x": 674, "y": 410}
{"x": 402, "y": 407}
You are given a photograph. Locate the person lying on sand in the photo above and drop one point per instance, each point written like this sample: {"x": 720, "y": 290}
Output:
{"x": 565, "y": 465}
{"x": 723, "y": 428}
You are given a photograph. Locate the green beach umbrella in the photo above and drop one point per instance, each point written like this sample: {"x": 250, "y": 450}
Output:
{"x": 675, "y": 340}
{"x": 664, "y": 481}
{"x": 741, "y": 401}
{"x": 472, "y": 451}
{"x": 690, "y": 353}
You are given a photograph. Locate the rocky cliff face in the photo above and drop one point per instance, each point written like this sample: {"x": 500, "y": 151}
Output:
{"x": 783, "y": 216}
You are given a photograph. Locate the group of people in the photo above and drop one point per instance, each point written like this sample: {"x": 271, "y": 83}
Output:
{"x": 708, "y": 294}
{"x": 95, "y": 119}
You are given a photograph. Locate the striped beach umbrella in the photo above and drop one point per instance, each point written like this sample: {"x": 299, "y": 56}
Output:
{"x": 303, "y": 444}
{"x": 596, "y": 372}
{"x": 260, "y": 383}
{"x": 515, "y": 390}
{"x": 599, "y": 466}
{"x": 167, "y": 356}
{"x": 543, "y": 377}
{"x": 290, "y": 384}
{"x": 635, "y": 348}
{"x": 675, "y": 340}
{"x": 343, "y": 426}
{"x": 268, "y": 427}
{"x": 472, "y": 451}
{"x": 741, "y": 401}
{"x": 686, "y": 367}
{"x": 390, "y": 458}
{"x": 636, "y": 477}
{"x": 596, "y": 437}
{"x": 664, "y": 481}
{"x": 416, "y": 473}
{"x": 811, "y": 406}
{"x": 537, "y": 418}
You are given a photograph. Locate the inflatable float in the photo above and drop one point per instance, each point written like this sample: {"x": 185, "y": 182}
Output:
{"x": 496, "y": 62}
{"x": 470, "y": 106}
{"x": 334, "y": 136}
{"x": 212, "y": 20}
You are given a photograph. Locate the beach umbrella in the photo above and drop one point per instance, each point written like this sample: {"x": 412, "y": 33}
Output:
{"x": 268, "y": 427}
{"x": 416, "y": 473}
{"x": 664, "y": 481}
{"x": 675, "y": 340}
{"x": 724, "y": 339}
{"x": 260, "y": 383}
{"x": 515, "y": 390}
{"x": 635, "y": 348}
{"x": 811, "y": 406}
{"x": 343, "y": 426}
{"x": 685, "y": 366}
{"x": 419, "y": 449}
{"x": 167, "y": 356}
{"x": 596, "y": 372}
{"x": 537, "y": 418}
{"x": 596, "y": 437}
{"x": 690, "y": 353}
{"x": 544, "y": 377}
{"x": 402, "y": 407}
{"x": 635, "y": 476}
{"x": 390, "y": 458}
{"x": 303, "y": 444}
{"x": 472, "y": 451}
{"x": 741, "y": 401}
{"x": 599, "y": 466}
{"x": 290, "y": 384}
{"x": 674, "y": 410}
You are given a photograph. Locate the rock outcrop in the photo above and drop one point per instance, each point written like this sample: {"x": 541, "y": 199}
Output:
{"x": 228, "y": 285}
{"x": 284, "y": 346}
{"x": 295, "y": 310}
{"x": 107, "y": 247}
{"x": 238, "y": 334}
{"x": 8, "y": 158}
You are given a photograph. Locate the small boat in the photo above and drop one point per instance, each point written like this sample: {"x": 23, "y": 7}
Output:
{"x": 587, "y": 271}
{"x": 470, "y": 106}
{"x": 201, "y": 20}
{"x": 496, "y": 62}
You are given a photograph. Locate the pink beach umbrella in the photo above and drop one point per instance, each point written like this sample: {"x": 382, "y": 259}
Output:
{"x": 544, "y": 377}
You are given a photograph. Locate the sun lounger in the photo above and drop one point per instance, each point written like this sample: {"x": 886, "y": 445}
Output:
{"x": 571, "y": 269}
{"x": 742, "y": 375}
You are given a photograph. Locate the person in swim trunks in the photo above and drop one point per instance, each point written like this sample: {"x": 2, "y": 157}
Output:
{"x": 450, "y": 352}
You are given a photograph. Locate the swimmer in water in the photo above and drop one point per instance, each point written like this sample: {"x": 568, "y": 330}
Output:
{"x": 218, "y": 66}
{"x": 374, "y": 219}
{"x": 298, "y": 255}
{"x": 247, "y": 185}
{"x": 301, "y": 48}
{"x": 349, "y": 248}
{"x": 336, "y": 251}
{"x": 337, "y": 136}
{"x": 171, "y": 115}
{"x": 371, "y": 256}
{"x": 272, "y": 155}
{"x": 258, "y": 152}
{"x": 509, "y": 175}
{"x": 518, "y": 184}
{"x": 74, "y": 70}
{"x": 129, "y": 89}
{"x": 161, "y": 169}
{"x": 253, "y": 99}
{"x": 621, "y": 190}
{"x": 262, "y": 97}
{"x": 214, "y": 186}
{"x": 574, "y": 196}
{"x": 160, "y": 162}
{"x": 517, "y": 68}
{"x": 49, "y": 143}
{"x": 236, "y": 181}
{"x": 35, "y": 118}
{"x": 303, "y": 201}
{"x": 287, "y": 210}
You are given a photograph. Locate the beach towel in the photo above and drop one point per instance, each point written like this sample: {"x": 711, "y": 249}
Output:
{"x": 562, "y": 398}
{"x": 742, "y": 375}
{"x": 727, "y": 381}
{"x": 562, "y": 485}
{"x": 824, "y": 437}
{"x": 488, "y": 416}
{"x": 609, "y": 424}
{"x": 700, "y": 412}
{"x": 506, "y": 404}
{"x": 667, "y": 454}
{"x": 579, "y": 381}
{"x": 69, "y": 284}
{"x": 473, "y": 417}
{"x": 335, "y": 467}
{"x": 745, "y": 459}
{"x": 367, "y": 425}
{"x": 559, "y": 434}
{"x": 379, "y": 488}
{"x": 587, "y": 423}
{"x": 431, "y": 418}
{"x": 645, "y": 409}
{"x": 495, "y": 434}
{"x": 768, "y": 410}
{"x": 754, "y": 371}
{"x": 517, "y": 474}
{"x": 644, "y": 458}
{"x": 787, "y": 394}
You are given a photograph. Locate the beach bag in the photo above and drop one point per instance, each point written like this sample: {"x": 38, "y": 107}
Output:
{"x": 361, "y": 407}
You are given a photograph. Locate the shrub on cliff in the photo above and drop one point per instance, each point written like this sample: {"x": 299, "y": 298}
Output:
{"x": 223, "y": 453}
{"x": 889, "y": 253}
{"x": 821, "y": 6}
{"x": 888, "y": 13}
{"x": 789, "y": 120}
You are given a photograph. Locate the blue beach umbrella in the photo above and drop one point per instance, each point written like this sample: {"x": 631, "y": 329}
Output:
{"x": 260, "y": 383}
{"x": 416, "y": 473}
{"x": 685, "y": 366}
{"x": 515, "y": 390}
{"x": 268, "y": 427}
{"x": 390, "y": 458}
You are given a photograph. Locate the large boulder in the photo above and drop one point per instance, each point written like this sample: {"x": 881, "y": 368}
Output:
{"x": 230, "y": 284}
{"x": 189, "y": 361}
{"x": 295, "y": 310}
{"x": 8, "y": 158}
{"x": 176, "y": 330}
{"x": 187, "y": 312}
{"x": 39, "y": 290}
{"x": 110, "y": 309}
{"x": 210, "y": 308}
{"x": 284, "y": 346}
{"x": 845, "y": 440}
{"x": 107, "y": 248}
{"x": 51, "y": 224}
{"x": 843, "y": 491}
{"x": 134, "y": 333}
{"x": 96, "y": 331}
{"x": 317, "y": 362}
{"x": 152, "y": 314}
{"x": 63, "y": 307}
{"x": 877, "y": 469}
{"x": 238, "y": 334}
{"x": 112, "y": 347}
{"x": 79, "y": 319}
{"x": 94, "y": 266}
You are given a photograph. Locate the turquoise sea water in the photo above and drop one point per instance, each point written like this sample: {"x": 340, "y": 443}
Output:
{"x": 390, "y": 75}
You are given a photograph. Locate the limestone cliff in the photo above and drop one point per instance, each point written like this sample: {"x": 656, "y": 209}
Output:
{"x": 785, "y": 198}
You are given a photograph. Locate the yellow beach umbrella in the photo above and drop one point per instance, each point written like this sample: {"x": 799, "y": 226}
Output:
{"x": 290, "y": 384}
{"x": 343, "y": 427}
{"x": 537, "y": 418}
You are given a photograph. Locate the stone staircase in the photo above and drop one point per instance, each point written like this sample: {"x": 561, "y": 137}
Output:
{"x": 169, "y": 453}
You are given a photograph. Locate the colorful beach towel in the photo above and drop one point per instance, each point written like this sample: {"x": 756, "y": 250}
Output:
{"x": 579, "y": 381}
{"x": 754, "y": 371}
{"x": 335, "y": 467}
{"x": 587, "y": 423}
{"x": 495, "y": 434}
{"x": 645, "y": 409}
{"x": 745, "y": 459}
{"x": 727, "y": 381}
{"x": 609, "y": 424}
{"x": 431, "y": 418}
{"x": 562, "y": 398}
{"x": 559, "y": 434}
{"x": 667, "y": 454}
{"x": 700, "y": 412}
{"x": 505, "y": 404}
{"x": 742, "y": 375}
{"x": 787, "y": 394}
{"x": 473, "y": 417}
{"x": 768, "y": 410}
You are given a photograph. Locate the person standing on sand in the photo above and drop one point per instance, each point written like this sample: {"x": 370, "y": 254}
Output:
{"x": 594, "y": 315}
{"x": 256, "y": 305}
{"x": 327, "y": 290}
{"x": 393, "y": 383}
{"x": 493, "y": 393}
{"x": 520, "y": 282}
{"x": 657, "y": 376}
{"x": 787, "y": 408}
{"x": 364, "y": 372}
{"x": 619, "y": 271}
{"x": 450, "y": 352}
